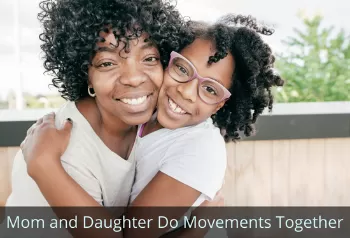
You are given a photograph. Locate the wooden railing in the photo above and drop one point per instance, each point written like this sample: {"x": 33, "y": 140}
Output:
{"x": 7, "y": 154}
{"x": 311, "y": 172}
{"x": 308, "y": 172}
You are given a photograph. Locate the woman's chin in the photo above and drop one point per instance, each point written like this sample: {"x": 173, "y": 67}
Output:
{"x": 136, "y": 120}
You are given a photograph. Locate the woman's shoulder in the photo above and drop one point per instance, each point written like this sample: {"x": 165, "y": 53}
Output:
{"x": 83, "y": 142}
{"x": 81, "y": 132}
{"x": 67, "y": 110}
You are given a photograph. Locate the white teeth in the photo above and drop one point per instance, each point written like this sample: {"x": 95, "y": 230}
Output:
{"x": 134, "y": 101}
{"x": 172, "y": 104}
{"x": 176, "y": 107}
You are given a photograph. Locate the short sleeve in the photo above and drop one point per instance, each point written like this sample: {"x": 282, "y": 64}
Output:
{"x": 197, "y": 161}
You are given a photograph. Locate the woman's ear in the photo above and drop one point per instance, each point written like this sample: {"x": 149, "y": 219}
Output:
{"x": 89, "y": 79}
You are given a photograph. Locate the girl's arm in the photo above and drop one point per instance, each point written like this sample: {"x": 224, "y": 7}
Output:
{"x": 65, "y": 196}
{"x": 68, "y": 200}
{"x": 45, "y": 168}
{"x": 67, "y": 193}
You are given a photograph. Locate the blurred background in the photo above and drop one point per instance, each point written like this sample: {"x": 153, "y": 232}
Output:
{"x": 300, "y": 155}
{"x": 311, "y": 41}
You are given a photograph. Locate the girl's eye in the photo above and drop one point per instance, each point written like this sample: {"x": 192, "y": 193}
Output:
{"x": 182, "y": 69}
{"x": 105, "y": 64}
{"x": 210, "y": 90}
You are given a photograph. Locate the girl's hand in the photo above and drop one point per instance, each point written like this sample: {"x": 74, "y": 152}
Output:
{"x": 205, "y": 209}
{"x": 218, "y": 201}
{"x": 45, "y": 144}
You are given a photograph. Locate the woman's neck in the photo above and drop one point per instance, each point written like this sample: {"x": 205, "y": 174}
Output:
{"x": 102, "y": 120}
{"x": 115, "y": 134}
{"x": 113, "y": 125}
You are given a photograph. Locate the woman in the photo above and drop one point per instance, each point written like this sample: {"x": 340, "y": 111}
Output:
{"x": 104, "y": 104}
{"x": 232, "y": 65}
{"x": 75, "y": 53}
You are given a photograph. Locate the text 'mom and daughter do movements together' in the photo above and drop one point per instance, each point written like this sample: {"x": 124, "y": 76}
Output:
{"x": 151, "y": 100}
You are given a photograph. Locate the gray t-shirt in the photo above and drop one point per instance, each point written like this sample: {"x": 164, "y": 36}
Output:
{"x": 103, "y": 174}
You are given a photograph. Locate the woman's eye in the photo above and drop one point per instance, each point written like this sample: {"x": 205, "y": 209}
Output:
{"x": 210, "y": 90}
{"x": 151, "y": 59}
{"x": 105, "y": 64}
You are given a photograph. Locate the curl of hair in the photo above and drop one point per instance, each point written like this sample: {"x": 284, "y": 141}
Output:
{"x": 254, "y": 74}
{"x": 71, "y": 29}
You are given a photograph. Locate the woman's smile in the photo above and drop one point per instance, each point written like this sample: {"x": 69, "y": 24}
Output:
{"x": 137, "y": 104}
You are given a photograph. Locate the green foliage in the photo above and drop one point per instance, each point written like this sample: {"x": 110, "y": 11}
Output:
{"x": 316, "y": 66}
{"x": 43, "y": 101}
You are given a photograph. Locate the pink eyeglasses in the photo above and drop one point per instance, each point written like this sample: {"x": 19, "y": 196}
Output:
{"x": 182, "y": 71}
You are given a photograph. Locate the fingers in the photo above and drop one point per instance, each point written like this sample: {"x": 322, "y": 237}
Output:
{"x": 30, "y": 130}
{"x": 38, "y": 122}
{"x": 219, "y": 193}
{"x": 49, "y": 118}
{"x": 22, "y": 144}
{"x": 68, "y": 125}
{"x": 219, "y": 197}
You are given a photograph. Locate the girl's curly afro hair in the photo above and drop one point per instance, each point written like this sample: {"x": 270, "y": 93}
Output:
{"x": 254, "y": 75}
{"x": 71, "y": 30}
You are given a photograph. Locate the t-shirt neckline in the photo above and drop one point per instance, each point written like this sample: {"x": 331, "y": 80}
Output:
{"x": 98, "y": 140}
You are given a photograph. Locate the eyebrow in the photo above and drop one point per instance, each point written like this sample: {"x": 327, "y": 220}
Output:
{"x": 112, "y": 48}
{"x": 147, "y": 45}
{"x": 218, "y": 81}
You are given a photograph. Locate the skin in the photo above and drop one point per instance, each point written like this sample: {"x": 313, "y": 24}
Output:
{"x": 115, "y": 76}
{"x": 185, "y": 94}
{"x": 174, "y": 193}
{"x": 118, "y": 74}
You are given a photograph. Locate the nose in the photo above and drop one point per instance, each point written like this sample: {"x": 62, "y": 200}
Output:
{"x": 132, "y": 76}
{"x": 188, "y": 90}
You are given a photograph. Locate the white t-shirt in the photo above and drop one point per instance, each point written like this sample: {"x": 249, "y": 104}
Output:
{"x": 195, "y": 156}
{"x": 102, "y": 173}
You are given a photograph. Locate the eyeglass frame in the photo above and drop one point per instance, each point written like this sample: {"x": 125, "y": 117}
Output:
{"x": 201, "y": 79}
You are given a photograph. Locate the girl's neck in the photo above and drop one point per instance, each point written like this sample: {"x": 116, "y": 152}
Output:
{"x": 151, "y": 126}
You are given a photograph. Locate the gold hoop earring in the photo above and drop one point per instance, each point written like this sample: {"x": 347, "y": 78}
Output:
{"x": 90, "y": 93}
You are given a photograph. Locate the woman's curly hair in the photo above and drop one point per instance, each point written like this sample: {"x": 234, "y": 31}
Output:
{"x": 71, "y": 30}
{"x": 254, "y": 74}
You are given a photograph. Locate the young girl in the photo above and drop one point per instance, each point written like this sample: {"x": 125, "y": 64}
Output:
{"x": 219, "y": 83}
